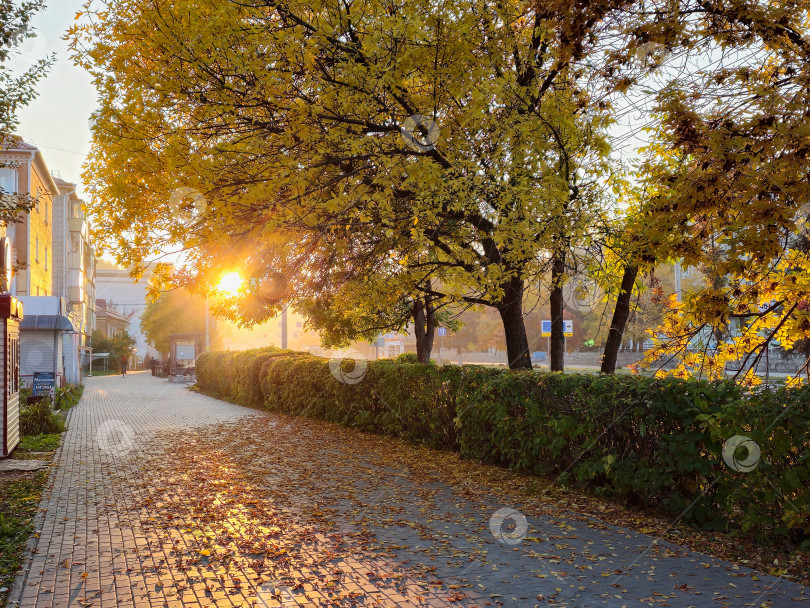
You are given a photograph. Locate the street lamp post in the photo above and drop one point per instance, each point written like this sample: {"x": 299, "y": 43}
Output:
{"x": 284, "y": 327}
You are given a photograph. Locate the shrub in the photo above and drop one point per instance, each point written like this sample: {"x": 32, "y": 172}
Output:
{"x": 37, "y": 418}
{"x": 407, "y": 358}
{"x": 67, "y": 396}
{"x": 649, "y": 441}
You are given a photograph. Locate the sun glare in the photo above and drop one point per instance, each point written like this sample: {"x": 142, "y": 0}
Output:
{"x": 230, "y": 283}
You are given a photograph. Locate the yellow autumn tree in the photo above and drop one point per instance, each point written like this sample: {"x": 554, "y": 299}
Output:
{"x": 455, "y": 136}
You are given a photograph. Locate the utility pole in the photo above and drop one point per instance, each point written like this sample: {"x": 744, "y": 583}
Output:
{"x": 284, "y": 327}
{"x": 678, "y": 281}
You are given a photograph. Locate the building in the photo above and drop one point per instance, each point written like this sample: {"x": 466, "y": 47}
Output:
{"x": 23, "y": 171}
{"x": 115, "y": 286}
{"x": 46, "y": 340}
{"x": 74, "y": 269}
{"x": 108, "y": 321}
{"x": 54, "y": 265}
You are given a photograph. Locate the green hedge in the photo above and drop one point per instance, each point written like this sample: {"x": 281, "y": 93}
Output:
{"x": 652, "y": 442}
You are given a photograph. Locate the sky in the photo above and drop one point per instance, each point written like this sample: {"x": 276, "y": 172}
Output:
{"x": 57, "y": 120}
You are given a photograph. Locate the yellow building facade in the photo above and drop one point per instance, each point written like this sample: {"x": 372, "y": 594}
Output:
{"x": 23, "y": 171}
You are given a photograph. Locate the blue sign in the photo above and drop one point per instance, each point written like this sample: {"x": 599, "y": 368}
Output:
{"x": 442, "y": 331}
{"x": 568, "y": 328}
{"x": 43, "y": 384}
{"x": 545, "y": 328}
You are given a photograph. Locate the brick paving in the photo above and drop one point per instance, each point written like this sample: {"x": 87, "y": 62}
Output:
{"x": 162, "y": 497}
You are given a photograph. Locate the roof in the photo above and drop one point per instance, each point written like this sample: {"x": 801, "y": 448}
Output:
{"x": 14, "y": 142}
{"x": 46, "y": 323}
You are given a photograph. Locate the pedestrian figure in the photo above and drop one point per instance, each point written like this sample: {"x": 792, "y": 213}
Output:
{"x": 123, "y": 365}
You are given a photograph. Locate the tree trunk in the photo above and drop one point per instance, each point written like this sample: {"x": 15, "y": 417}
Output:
{"x": 511, "y": 311}
{"x": 424, "y": 319}
{"x": 556, "y": 304}
{"x": 620, "y": 316}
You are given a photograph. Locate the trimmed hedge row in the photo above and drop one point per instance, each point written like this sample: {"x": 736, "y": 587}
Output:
{"x": 650, "y": 441}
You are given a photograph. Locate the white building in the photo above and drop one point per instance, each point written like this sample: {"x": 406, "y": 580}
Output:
{"x": 127, "y": 297}
{"x": 47, "y": 340}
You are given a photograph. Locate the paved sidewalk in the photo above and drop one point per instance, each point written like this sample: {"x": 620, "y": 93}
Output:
{"x": 161, "y": 497}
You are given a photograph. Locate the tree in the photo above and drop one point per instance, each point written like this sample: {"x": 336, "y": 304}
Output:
{"x": 302, "y": 130}
{"x": 289, "y": 119}
{"x": 728, "y": 167}
{"x": 174, "y": 312}
{"x": 118, "y": 346}
{"x": 17, "y": 90}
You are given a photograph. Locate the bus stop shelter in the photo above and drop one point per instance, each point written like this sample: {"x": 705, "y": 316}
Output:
{"x": 183, "y": 352}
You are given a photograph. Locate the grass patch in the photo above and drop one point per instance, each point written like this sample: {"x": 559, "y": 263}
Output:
{"x": 68, "y": 396}
{"x": 39, "y": 443}
{"x": 19, "y": 502}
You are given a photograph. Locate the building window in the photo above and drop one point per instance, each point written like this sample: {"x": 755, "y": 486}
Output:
{"x": 8, "y": 180}
{"x": 47, "y": 212}
{"x": 75, "y": 243}
{"x": 46, "y": 258}
{"x": 36, "y": 250}
{"x": 76, "y": 210}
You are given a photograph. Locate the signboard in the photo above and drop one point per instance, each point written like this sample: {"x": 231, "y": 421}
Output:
{"x": 185, "y": 352}
{"x": 442, "y": 331}
{"x": 43, "y": 384}
{"x": 568, "y": 328}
